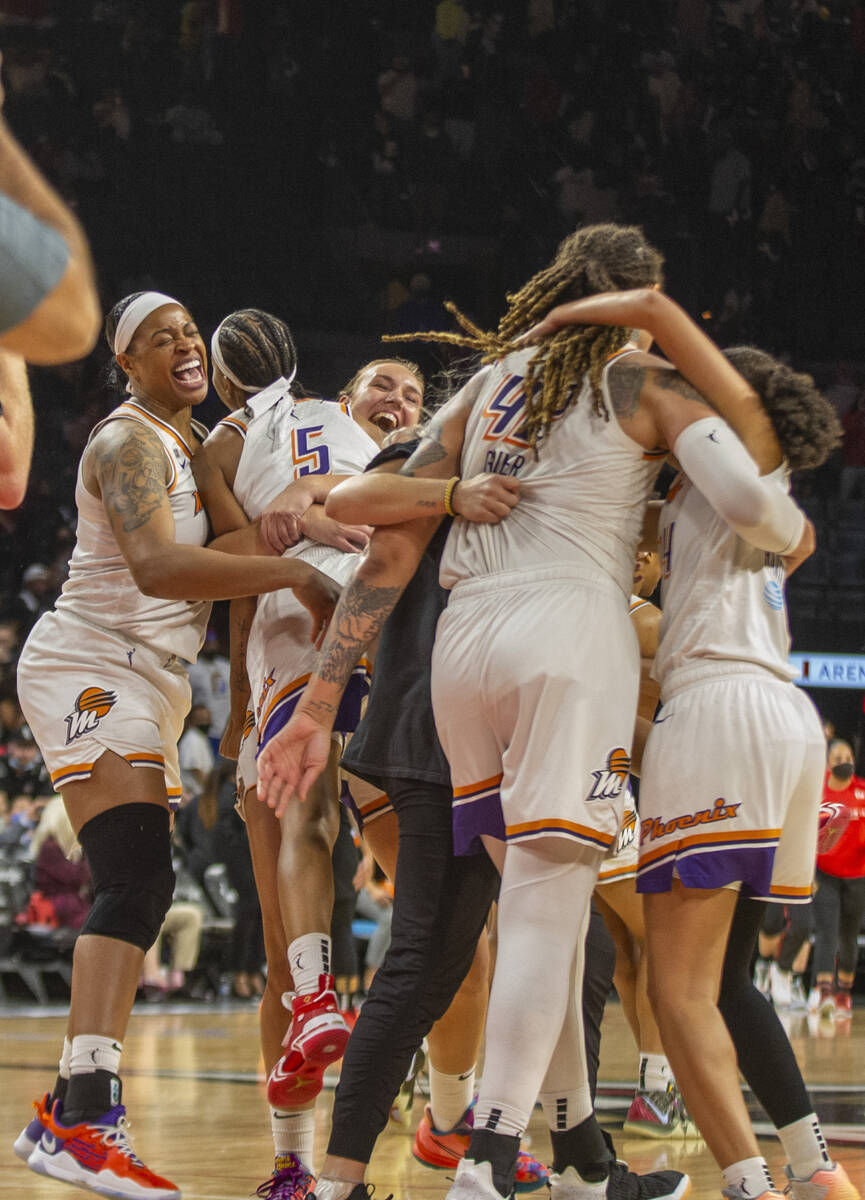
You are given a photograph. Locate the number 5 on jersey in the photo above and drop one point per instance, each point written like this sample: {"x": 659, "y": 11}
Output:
{"x": 308, "y": 458}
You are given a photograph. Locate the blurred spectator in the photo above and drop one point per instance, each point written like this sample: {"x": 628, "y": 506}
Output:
{"x": 22, "y": 771}
{"x": 36, "y": 596}
{"x": 195, "y": 752}
{"x": 839, "y": 902}
{"x": 24, "y": 814}
{"x": 182, "y": 927}
{"x": 374, "y": 903}
{"x": 397, "y": 89}
{"x": 210, "y": 679}
{"x": 61, "y": 873}
{"x": 451, "y": 27}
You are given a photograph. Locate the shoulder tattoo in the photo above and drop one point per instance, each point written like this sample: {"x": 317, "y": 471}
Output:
{"x": 672, "y": 381}
{"x": 625, "y": 382}
{"x": 131, "y": 475}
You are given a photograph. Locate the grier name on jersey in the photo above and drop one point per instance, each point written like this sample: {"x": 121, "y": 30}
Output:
{"x": 499, "y": 462}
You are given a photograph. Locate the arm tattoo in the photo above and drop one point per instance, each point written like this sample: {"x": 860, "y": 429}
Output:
{"x": 428, "y": 452}
{"x": 359, "y": 616}
{"x": 132, "y": 478}
{"x": 625, "y": 382}
{"x": 672, "y": 381}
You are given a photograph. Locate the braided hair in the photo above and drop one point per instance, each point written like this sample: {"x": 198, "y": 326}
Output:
{"x": 805, "y": 423}
{"x": 258, "y": 348}
{"x": 115, "y": 376}
{"x": 598, "y": 258}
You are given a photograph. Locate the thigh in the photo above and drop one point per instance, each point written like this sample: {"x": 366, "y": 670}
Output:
{"x": 686, "y": 938}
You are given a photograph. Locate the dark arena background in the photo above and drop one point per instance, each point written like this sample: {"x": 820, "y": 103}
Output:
{"x": 349, "y": 165}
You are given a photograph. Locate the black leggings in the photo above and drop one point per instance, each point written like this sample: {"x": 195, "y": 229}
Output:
{"x": 839, "y": 907}
{"x": 795, "y": 922}
{"x": 765, "y": 1055}
{"x": 440, "y": 906}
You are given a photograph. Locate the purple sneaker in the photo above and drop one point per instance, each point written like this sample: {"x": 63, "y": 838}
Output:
{"x": 290, "y": 1180}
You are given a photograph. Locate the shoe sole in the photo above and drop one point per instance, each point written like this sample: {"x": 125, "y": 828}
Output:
{"x": 92, "y": 1184}
{"x": 298, "y": 1088}
{"x": 657, "y": 1133}
{"x": 23, "y": 1147}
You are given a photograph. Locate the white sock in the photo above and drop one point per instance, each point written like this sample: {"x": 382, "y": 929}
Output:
{"x": 65, "y": 1059}
{"x": 93, "y": 1053}
{"x": 750, "y": 1176}
{"x": 309, "y": 957}
{"x": 294, "y": 1133}
{"x": 655, "y": 1073}
{"x": 334, "y": 1189}
{"x": 804, "y": 1146}
{"x": 449, "y": 1096}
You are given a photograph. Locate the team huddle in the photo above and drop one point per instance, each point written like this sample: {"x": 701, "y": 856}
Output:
{"x": 435, "y": 623}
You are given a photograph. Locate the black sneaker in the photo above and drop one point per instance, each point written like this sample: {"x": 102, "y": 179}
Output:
{"x": 360, "y": 1191}
{"x": 620, "y": 1184}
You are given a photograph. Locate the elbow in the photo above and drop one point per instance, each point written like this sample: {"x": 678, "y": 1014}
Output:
{"x": 152, "y": 579}
{"x": 342, "y": 504}
{"x": 13, "y": 489}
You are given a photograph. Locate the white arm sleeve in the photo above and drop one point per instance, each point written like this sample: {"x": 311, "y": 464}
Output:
{"x": 758, "y": 509}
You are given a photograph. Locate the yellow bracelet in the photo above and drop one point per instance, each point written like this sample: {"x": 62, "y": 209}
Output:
{"x": 450, "y": 488}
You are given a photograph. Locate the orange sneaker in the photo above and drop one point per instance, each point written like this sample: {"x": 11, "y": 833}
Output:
{"x": 97, "y": 1155}
{"x": 317, "y": 1036}
{"x": 445, "y": 1148}
{"x": 829, "y": 1183}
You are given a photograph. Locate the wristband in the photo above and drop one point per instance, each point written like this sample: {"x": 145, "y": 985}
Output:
{"x": 450, "y": 488}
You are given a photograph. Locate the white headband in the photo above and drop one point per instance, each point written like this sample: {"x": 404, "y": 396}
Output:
{"x": 139, "y": 310}
{"x": 216, "y": 356}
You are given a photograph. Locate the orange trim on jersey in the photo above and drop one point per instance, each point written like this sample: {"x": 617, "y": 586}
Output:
{"x": 70, "y": 774}
{"x": 675, "y": 487}
{"x": 709, "y": 839}
{"x": 629, "y": 349}
{"x": 233, "y": 423}
{"x": 635, "y": 604}
{"x": 485, "y": 784}
{"x": 789, "y": 890}
{"x": 554, "y": 824}
{"x": 145, "y": 758}
{"x": 301, "y": 681}
{"x": 652, "y": 454}
{"x": 164, "y": 426}
{"x": 616, "y": 874}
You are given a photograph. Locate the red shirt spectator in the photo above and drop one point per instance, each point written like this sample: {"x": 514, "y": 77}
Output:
{"x": 843, "y": 804}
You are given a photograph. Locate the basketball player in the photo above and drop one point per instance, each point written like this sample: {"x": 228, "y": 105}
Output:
{"x": 657, "y": 1110}
{"x": 101, "y": 684}
{"x": 564, "y": 424}
{"x": 754, "y": 751}
{"x": 276, "y": 440}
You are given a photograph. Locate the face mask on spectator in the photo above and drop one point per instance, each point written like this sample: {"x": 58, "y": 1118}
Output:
{"x": 843, "y": 771}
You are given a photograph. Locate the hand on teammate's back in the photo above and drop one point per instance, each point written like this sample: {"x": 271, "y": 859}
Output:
{"x": 486, "y": 499}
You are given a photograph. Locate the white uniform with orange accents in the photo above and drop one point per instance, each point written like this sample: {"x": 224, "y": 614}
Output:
{"x": 622, "y": 861}
{"x": 103, "y": 671}
{"x": 536, "y": 663}
{"x": 285, "y": 439}
{"x": 733, "y": 767}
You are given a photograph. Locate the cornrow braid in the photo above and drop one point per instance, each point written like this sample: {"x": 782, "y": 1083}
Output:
{"x": 599, "y": 258}
{"x": 258, "y": 348}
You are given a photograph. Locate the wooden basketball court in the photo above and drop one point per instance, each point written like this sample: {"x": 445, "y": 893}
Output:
{"x": 196, "y": 1103}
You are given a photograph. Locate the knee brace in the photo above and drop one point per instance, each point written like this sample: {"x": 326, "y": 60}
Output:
{"x": 128, "y": 849}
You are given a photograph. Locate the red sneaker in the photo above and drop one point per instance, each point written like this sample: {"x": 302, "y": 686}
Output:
{"x": 97, "y": 1155}
{"x": 317, "y": 1036}
{"x": 843, "y": 1003}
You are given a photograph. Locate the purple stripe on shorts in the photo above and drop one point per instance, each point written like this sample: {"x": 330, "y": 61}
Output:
{"x": 706, "y": 869}
{"x": 472, "y": 820}
{"x": 347, "y": 716}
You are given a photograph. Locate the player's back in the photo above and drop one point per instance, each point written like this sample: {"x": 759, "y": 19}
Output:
{"x": 722, "y": 599}
{"x": 582, "y": 499}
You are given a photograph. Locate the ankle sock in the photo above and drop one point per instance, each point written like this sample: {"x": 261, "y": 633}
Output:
{"x": 805, "y": 1146}
{"x": 750, "y": 1176}
{"x": 582, "y": 1146}
{"x": 450, "y": 1096}
{"x": 309, "y": 957}
{"x": 655, "y": 1073}
{"x": 294, "y": 1133}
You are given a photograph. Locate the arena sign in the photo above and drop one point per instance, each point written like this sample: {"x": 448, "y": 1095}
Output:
{"x": 830, "y": 670}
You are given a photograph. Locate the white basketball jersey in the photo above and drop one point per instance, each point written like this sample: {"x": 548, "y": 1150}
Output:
{"x": 100, "y": 587}
{"x": 285, "y": 439}
{"x": 722, "y": 599}
{"x": 581, "y": 502}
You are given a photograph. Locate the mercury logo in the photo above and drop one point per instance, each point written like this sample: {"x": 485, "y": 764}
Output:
{"x": 90, "y": 707}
